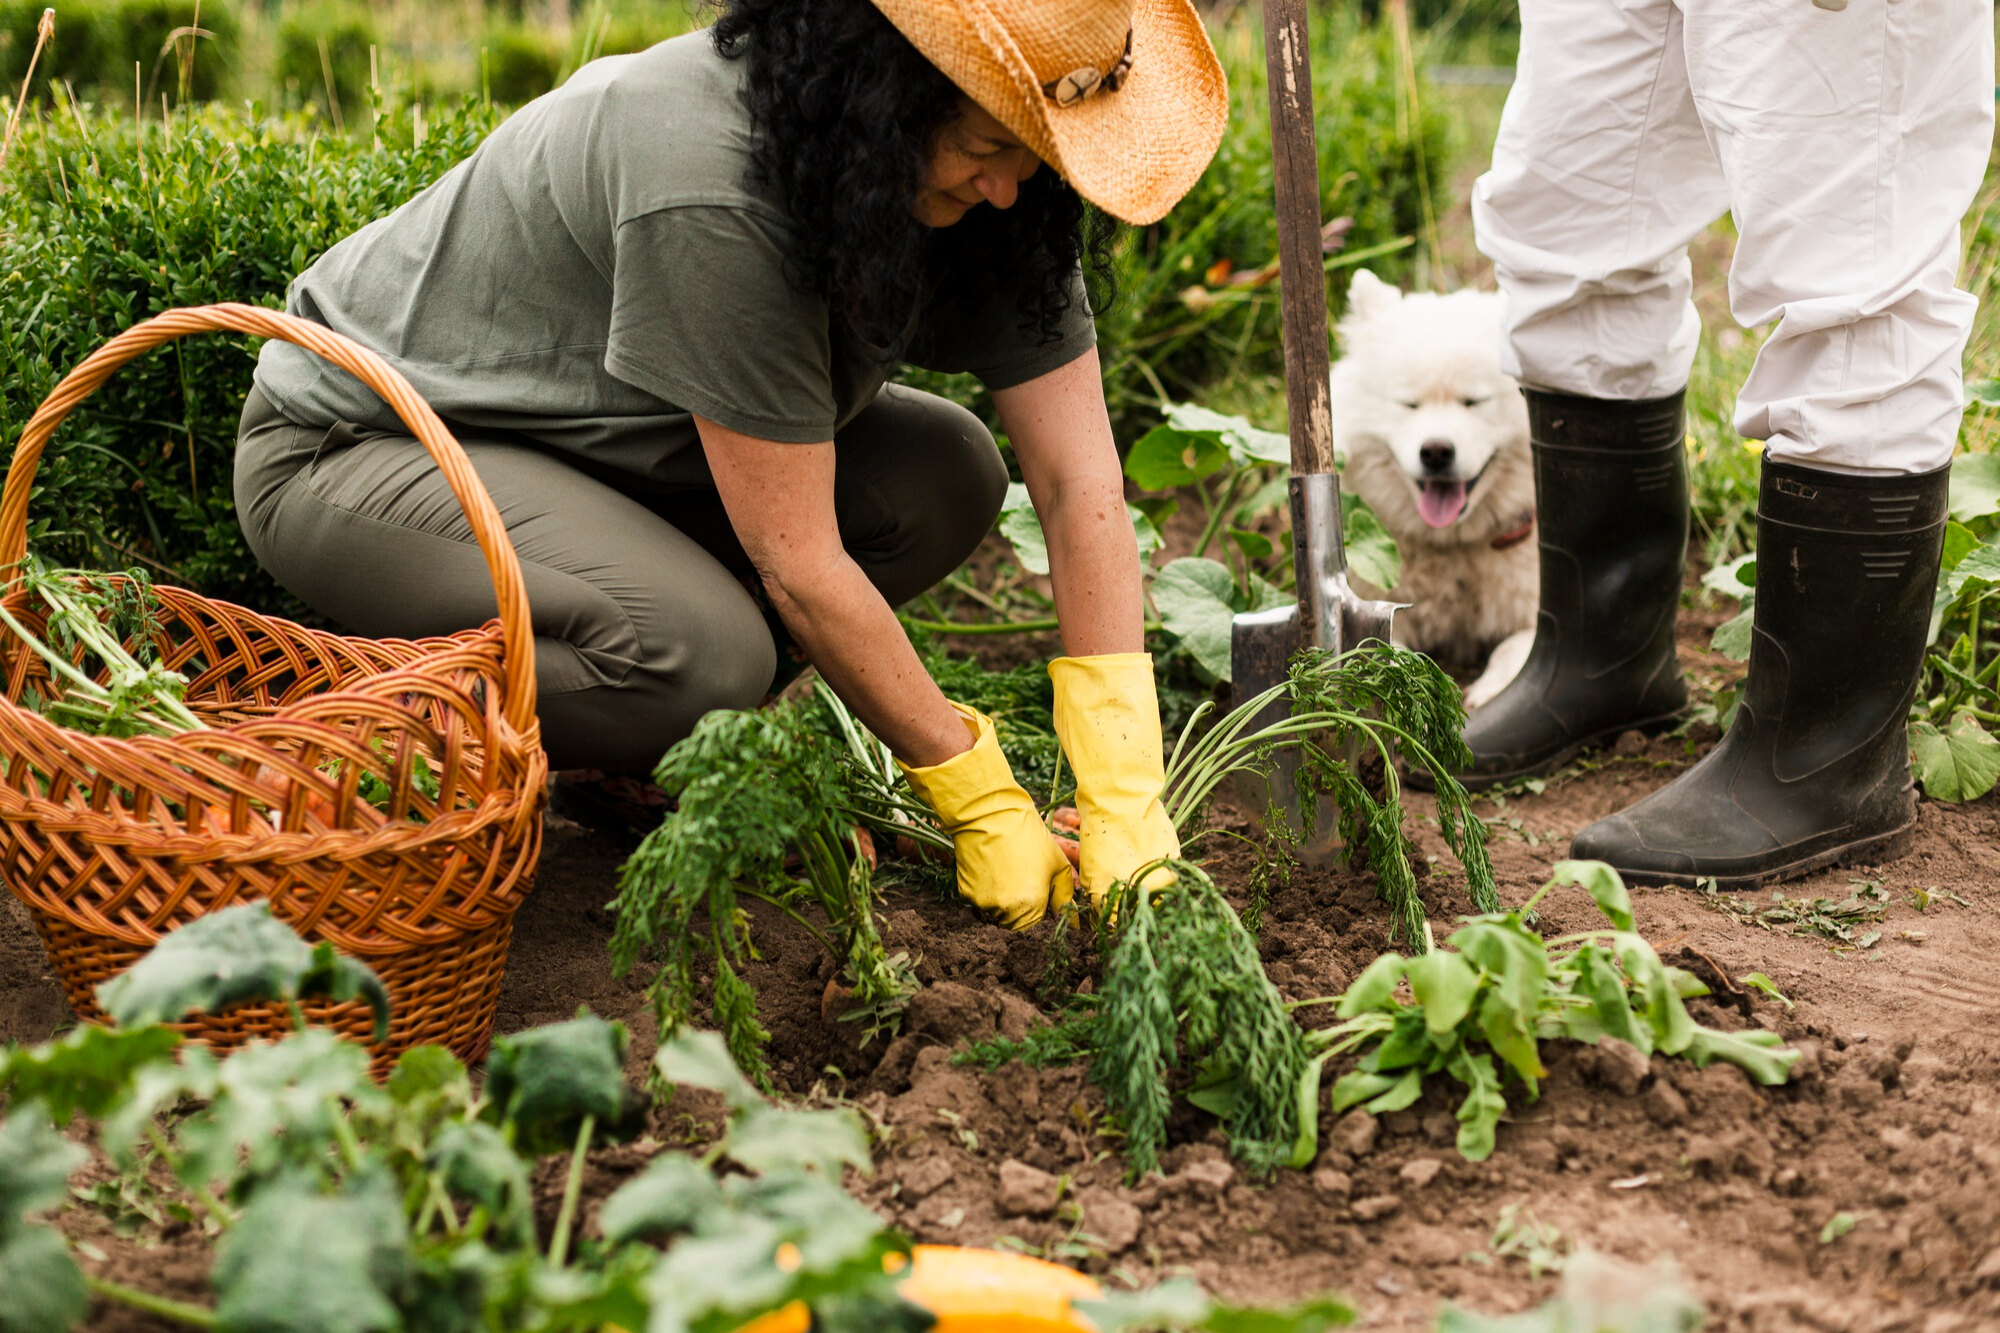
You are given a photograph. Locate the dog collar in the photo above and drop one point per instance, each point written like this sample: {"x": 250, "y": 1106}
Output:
{"x": 1515, "y": 537}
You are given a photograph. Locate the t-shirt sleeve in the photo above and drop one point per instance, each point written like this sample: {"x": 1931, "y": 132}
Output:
{"x": 703, "y": 317}
{"x": 992, "y": 339}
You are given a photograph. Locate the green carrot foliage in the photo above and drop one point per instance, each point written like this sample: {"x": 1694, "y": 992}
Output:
{"x": 1350, "y": 716}
{"x": 1183, "y": 990}
{"x": 751, "y": 788}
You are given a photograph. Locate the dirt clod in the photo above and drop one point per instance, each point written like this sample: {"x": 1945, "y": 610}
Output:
{"x": 1114, "y": 1221}
{"x": 1355, "y": 1133}
{"x": 1420, "y": 1171}
{"x": 1027, "y": 1191}
{"x": 1376, "y": 1207}
{"x": 1332, "y": 1180}
{"x": 1620, "y": 1066}
{"x": 921, "y": 1179}
{"x": 1213, "y": 1174}
{"x": 952, "y": 1012}
{"x": 1664, "y": 1105}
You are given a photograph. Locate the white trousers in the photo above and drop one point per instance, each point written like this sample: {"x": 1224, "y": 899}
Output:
{"x": 1847, "y": 144}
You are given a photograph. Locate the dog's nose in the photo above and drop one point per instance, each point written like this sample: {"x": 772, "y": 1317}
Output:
{"x": 1437, "y": 455}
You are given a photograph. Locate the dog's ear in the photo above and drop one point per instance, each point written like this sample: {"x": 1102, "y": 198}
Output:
{"x": 1369, "y": 296}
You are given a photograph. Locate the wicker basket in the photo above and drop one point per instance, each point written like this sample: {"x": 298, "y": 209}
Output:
{"x": 112, "y": 843}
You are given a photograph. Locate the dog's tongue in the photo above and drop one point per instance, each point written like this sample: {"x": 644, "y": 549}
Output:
{"x": 1440, "y": 502}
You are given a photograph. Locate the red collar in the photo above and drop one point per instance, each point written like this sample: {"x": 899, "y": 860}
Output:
{"x": 1515, "y": 537}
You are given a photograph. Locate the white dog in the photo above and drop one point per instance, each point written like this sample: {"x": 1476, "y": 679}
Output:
{"x": 1434, "y": 436}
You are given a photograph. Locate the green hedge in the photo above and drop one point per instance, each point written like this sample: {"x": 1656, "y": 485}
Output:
{"x": 229, "y": 210}
{"x": 98, "y": 42}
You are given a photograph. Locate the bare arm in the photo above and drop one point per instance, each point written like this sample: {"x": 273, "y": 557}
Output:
{"x": 779, "y": 498}
{"x": 1062, "y": 436}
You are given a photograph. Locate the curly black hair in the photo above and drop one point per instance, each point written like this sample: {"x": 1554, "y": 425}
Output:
{"x": 845, "y": 113}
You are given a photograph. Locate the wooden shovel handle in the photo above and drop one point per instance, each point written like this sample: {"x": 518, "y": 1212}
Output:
{"x": 1301, "y": 265}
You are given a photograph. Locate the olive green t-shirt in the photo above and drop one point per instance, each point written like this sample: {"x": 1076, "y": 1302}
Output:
{"x": 605, "y": 265}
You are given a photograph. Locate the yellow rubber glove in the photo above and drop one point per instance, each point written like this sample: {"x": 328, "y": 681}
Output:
{"x": 1008, "y": 861}
{"x": 1108, "y": 719}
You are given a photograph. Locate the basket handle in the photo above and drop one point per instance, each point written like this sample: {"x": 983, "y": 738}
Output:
{"x": 516, "y": 632}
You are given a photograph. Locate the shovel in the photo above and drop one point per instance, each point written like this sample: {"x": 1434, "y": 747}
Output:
{"x": 1329, "y": 614}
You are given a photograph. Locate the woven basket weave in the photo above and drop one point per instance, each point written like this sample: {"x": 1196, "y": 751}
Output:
{"x": 112, "y": 843}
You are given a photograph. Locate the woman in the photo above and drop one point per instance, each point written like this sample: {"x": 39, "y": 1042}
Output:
{"x": 659, "y": 308}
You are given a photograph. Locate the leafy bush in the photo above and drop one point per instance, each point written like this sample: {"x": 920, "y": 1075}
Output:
{"x": 98, "y": 42}
{"x": 101, "y": 227}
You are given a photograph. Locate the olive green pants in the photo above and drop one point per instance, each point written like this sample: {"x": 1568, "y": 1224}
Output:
{"x": 643, "y": 609}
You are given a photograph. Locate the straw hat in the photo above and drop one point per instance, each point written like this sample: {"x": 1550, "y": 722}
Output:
{"x": 1124, "y": 98}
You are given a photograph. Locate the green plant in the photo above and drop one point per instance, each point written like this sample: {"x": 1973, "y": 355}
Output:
{"x": 1182, "y": 984}
{"x": 1477, "y": 1011}
{"x": 752, "y": 789}
{"x": 1957, "y": 708}
{"x": 520, "y": 63}
{"x": 1179, "y": 1305}
{"x": 324, "y": 57}
{"x": 1832, "y": 920}
{"x": 113, "y": 620}
{"x": 1598, "y": 1295}
{"x": 1238, "y": 474}
{"x": 341, "y": 1206}
{"x": 1348, "y": 718}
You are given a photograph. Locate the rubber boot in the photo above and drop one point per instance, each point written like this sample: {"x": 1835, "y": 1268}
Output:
{"x": 1611, "y": 516}
{"x": 1816, "y": 766}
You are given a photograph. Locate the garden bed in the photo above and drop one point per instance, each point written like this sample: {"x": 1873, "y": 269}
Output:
{"x": 1865, "y": 1195}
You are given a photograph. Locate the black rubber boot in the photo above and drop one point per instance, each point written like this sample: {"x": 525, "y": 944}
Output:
{"x": 1611, "y": 516}
{"x": 1816, "y": 766}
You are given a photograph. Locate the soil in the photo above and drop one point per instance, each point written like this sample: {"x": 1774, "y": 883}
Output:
{"x": 1893, "y": 1119}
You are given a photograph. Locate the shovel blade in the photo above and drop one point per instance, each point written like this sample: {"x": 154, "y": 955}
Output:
{"x": 1261, "y": 647}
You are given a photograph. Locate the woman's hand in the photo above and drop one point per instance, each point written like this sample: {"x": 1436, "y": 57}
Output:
{"x": 1008, "y": 861}
{"x": 779, "y": 498}
{"x": 1108, "y": 719}
{"x": 1107, "y": 710}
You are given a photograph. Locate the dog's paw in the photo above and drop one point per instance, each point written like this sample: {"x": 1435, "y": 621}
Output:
{"x": 1501, "y": 668}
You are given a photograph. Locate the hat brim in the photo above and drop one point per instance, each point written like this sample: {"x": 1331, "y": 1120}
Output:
{"x": 1133, "y": 152}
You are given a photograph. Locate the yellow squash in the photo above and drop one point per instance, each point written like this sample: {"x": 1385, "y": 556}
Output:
{"x": 975, "y": 1291}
